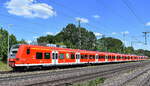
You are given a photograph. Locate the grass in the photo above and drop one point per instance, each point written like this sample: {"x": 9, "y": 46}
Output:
{"x": 95, "y": 82}
{"x": 4, "y": 67}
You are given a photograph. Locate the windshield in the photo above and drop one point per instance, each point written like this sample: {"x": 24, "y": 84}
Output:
{"x": 13, "y": 51}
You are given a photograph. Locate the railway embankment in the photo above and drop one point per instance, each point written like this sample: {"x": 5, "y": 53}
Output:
{"x": 140, "y": 76}
{"x": 68, "y": 76}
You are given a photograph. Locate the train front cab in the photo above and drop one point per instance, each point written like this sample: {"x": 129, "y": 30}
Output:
{"x": 13, "y": 55}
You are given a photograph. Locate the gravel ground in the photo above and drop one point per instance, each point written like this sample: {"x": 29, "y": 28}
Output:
{"x": 57, "y": 74}
{"x": 47, "y": 71}
{"x": 130, "y": 78}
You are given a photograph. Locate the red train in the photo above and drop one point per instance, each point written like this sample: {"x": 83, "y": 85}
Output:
{"x": 39, "y": 56}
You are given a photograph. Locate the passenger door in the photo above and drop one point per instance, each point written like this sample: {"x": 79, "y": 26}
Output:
{"x": 96, "y": 57}
{"x": 77, "y": 57}
{"x": 106, "y": 58}
{"x": 54, "y": 57}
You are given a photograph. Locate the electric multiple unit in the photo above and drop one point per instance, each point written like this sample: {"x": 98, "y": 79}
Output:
{"x": 33, "y": 55}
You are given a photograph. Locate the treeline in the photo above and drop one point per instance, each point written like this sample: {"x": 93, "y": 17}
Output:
{"x": 80, "y": 38}
{"x": 4, "y": 43}
{"x": 74, "y": 37}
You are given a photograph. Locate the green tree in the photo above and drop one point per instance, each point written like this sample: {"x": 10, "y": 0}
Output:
{"x": 110, "y": 44}
{"x": 12, "y": 40}
{"x": 68, "y": 36}
{"x": 22, "y": 41}
{"x": 3, "y": 43}
{"x": 46, "y": 39}
{"x": 73, "y": 36}
{"x": 129, "y": 50}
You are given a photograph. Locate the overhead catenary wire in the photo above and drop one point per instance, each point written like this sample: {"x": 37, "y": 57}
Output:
{"x": 77, "y": 12}
{"x": 126, "y": 2}
{"x": 114, "y": 12}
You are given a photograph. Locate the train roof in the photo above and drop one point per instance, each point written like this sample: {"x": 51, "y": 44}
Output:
{"x": 78, "y": 50}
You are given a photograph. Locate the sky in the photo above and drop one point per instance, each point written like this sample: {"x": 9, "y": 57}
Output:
{"x": 123, "y": 19}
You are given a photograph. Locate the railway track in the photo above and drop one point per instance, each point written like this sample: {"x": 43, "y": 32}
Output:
{"x": 74, "y": 79}
{"x": 137, "y": 77}
{"x": 5, "y": 72}
{"x": 133, "y": 80}
{"x": 146, "y": 81}
{"x": 67, "y": 76}
{"x": 41, "y": 70}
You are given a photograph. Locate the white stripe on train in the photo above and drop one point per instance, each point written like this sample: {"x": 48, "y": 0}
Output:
{"x": 50, "y": 64}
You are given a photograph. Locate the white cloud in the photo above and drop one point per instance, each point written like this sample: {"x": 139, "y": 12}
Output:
{"x": 147, "y": 24}
{"x": 96, "y": 16}
{"x": 83, "y": 20}
{"x": 30, "y": 8}
{"x": 29, "y": 41}
{"x": 114, "y": 33}
{"x": 98, "y": 34}
{"x": 35, "y": 37}
{"x": 125, "y": 32}
{"x": 50, "y": 33}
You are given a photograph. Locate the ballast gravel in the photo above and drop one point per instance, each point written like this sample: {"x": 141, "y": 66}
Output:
{"x": 131, "y": 78}
{"x": 60, "y": 74}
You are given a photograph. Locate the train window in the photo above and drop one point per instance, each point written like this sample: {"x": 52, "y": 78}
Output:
{"x": 46, "y": 55}
{"x": 90, "y": 57}
{"x": 39, "y": 55}
{"x": 14, "y": 51}
{"x": 53, "y": 55}
{"x": 86, "y": 56}
{"x": 61, "y": 56}
{"x": 118, "y": 57}
{"x": 93, "y": 56}
{"x": 77, "y": 56}
{"x": 67, "y": 56}
{"x": 82, "y": 56}
{"x": 97, "y": 56}
{"x": 113, "y": 57}
{"x": 106, "y": 57}
{"x": 56, "y": 55}
{"x": 101, "y": 57}
{"x": 72, "y": 56}
{"x": 28, "y": 51}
